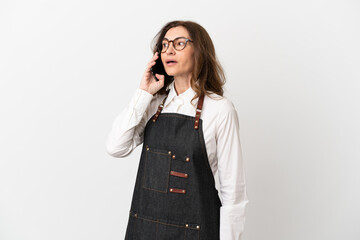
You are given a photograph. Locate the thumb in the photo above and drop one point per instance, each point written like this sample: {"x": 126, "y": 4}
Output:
{"x": 160, "y": 76}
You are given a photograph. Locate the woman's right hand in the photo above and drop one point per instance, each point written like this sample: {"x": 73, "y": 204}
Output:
{"x": 148, "y": 82}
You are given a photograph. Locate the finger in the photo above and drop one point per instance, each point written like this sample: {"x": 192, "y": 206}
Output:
{"x": 150, "y": 65}
{"x": 160, "y": 76}
{"x": 156, "y": 55}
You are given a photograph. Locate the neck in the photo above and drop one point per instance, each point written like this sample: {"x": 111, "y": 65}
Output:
{"x": 181, "y": 84}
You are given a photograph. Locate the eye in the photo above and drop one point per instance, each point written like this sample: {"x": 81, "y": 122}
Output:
{"x": 180, "y": 43}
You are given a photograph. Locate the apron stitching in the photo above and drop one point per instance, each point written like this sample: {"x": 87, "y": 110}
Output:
{"x": 169, "y": 224}
{"x": 192, "y": 118}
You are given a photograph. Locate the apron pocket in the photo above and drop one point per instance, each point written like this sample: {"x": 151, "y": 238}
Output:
{"x": 144, "y": 230}
{"x": 175, "y": 232}
{"x": 156, "y": 169}
{"x": 168, "y": 231}
{"x": 148, "y": 228}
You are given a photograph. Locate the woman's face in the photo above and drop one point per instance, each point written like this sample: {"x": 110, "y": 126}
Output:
{"x": 184, "y": 58}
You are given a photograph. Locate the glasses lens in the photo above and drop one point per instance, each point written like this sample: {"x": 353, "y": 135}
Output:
{"x": 164, "y": 45}
{"x": 180, "y": 43}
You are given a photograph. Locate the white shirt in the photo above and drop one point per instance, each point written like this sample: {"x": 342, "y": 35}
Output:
{"x": 222, "y": 140}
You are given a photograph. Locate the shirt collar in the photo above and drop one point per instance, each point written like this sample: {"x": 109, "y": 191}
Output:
{"x": 185, "y": 96}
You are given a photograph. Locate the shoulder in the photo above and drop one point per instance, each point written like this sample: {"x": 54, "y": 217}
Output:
{"x": 222, "y": 104}
{"x": 225, "y": 114}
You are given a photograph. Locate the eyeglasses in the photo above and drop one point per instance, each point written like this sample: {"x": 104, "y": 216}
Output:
{"x": 179, "y": 43}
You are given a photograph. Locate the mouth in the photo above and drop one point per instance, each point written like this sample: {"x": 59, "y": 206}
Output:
{"x": 170, "y": 63}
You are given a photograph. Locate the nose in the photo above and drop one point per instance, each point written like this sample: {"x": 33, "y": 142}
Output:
{"x": 170, "y": 49}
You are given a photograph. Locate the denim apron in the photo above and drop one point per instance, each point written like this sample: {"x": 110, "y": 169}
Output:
{"x": 174, "y": 196}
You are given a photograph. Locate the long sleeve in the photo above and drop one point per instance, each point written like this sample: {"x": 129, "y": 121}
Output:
{"x": 127, "y": 130}
{"x": 231, "y": 174}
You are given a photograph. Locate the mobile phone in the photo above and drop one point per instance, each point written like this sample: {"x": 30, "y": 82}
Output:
{"x": 159, "y": 69}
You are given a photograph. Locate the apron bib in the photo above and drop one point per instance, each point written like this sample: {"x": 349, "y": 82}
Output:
{"x": 174, "y": 196}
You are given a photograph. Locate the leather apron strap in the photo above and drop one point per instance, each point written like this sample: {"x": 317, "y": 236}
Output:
{"x": 198, "y": 110}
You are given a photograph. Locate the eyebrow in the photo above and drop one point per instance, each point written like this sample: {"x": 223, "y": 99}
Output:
{"x": 175, "y": 38}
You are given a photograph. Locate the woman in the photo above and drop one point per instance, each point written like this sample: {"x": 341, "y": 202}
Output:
{"x": 189, "y": 131}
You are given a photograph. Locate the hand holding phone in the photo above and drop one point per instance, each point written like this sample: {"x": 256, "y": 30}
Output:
{"x": 158, "y": 68}
{"x": 151, "y": 80}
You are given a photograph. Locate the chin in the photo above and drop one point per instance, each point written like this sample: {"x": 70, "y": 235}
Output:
{"x": 170, "y": 73}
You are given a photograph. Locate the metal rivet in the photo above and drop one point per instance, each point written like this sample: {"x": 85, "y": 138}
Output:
{"x": 187, "y": 225}
{"x": 135, "y": 214}
{"x": 183, "y": 190}
{"x": 187, "y": 159}
{"x": 174, "y": 156}
{"x": 147, "y": 149}
{"x": 197, "y": 226}
{"x": 171, "y": 189}
{"x": 186, "y": 175}
{"x": 169, "y": 152}
{"x": 153, "y": 120}
{"x": 196, "y": 126}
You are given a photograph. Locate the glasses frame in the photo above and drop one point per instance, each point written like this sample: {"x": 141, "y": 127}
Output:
{"x": 169, "y": 42}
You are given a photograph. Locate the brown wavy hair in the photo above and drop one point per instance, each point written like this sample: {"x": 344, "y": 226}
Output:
{"x": 207, "y": 69}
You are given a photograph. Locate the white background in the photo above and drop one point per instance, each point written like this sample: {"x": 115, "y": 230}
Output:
{"x": 67, "y": 68}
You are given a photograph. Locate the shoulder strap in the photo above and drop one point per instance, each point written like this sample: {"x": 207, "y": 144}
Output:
{"x": 160, "y": 107}
{"x": 198, "y": 111}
